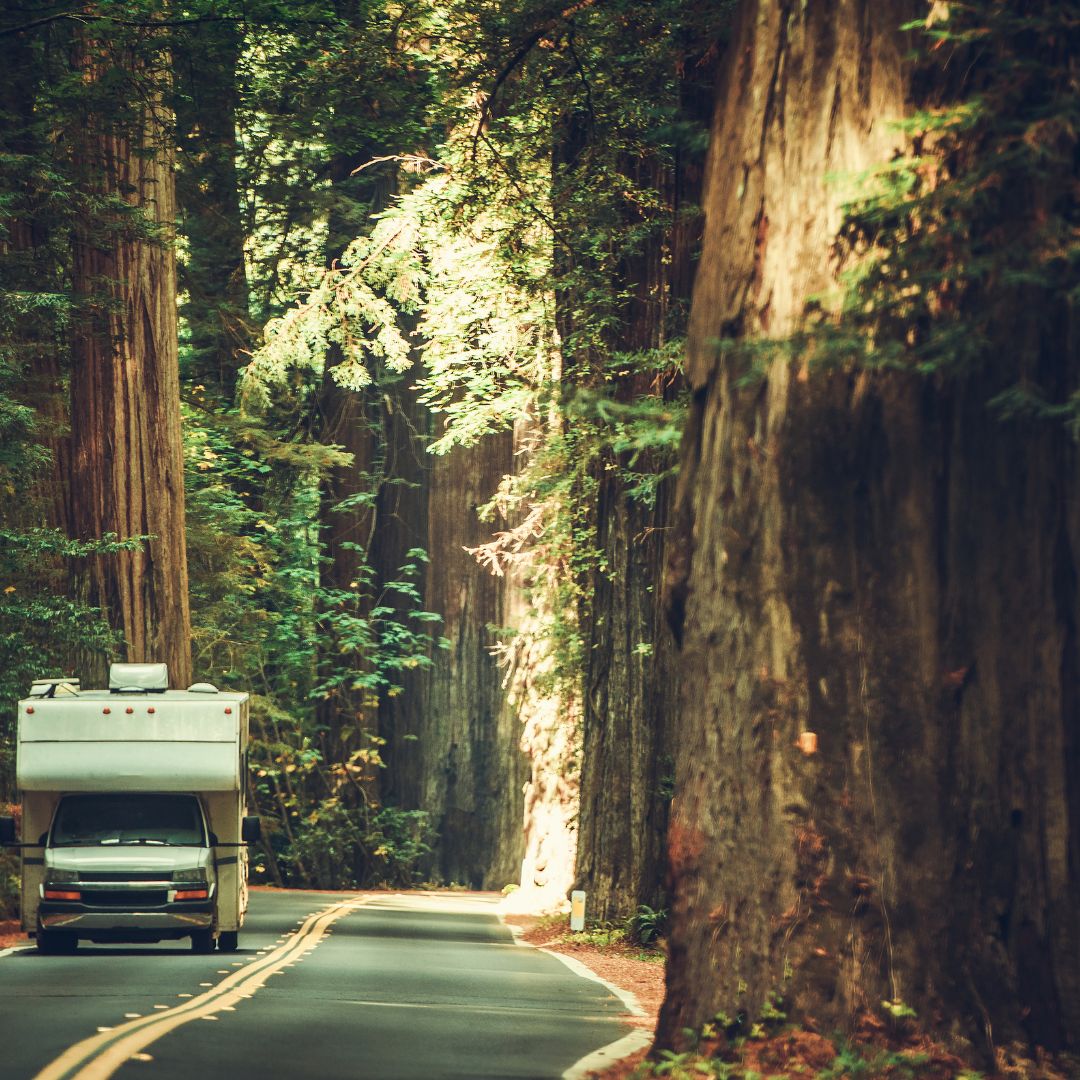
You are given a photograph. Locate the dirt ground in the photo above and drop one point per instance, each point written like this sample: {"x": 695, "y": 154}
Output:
{"x": 10, "y": 934}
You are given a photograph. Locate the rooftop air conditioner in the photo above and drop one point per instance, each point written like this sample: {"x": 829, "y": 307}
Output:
{"x": 138, "y": 678}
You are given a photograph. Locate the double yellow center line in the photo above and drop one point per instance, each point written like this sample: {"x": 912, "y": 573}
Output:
{"x": 99, "y": 1056}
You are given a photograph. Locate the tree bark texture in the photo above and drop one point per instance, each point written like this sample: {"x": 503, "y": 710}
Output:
{"x": 465, "y": 766}
{"x": 877, "y": 560}
{"x": 629, "y": 698}
{"x": 127, "y": 459}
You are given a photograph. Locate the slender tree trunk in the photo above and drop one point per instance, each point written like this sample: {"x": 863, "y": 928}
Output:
{"x": 213, "y": 274}
{"x": 349, "y": 419}
{"x": 874, "y": 581}
{"x": 127, "y": 462}
{"x": 27, "y": 265}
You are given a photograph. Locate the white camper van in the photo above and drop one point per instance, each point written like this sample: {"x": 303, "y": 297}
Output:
{"x": 133, "y": 825}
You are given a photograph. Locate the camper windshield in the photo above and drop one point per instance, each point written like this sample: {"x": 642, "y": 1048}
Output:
{"x": 128, "y": 819}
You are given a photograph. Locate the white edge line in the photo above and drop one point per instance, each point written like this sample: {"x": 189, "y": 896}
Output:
{"x": 606, "y": 1056}
{"x": 15, "y": 949}
{"x": 613, "y": 1052}
{"x": 632, "y": 1005}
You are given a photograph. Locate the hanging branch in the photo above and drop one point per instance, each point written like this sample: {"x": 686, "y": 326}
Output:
{"x": 518, "y": 58}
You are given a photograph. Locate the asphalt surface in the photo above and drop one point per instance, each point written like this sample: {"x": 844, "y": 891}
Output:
{"x": 391, "y": 987}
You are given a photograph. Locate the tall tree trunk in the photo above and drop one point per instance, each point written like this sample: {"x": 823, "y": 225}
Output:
{"x": 629, "y": 697}
{"x": 876, "y": 561}
{"x": 127, "y": 459}
{"x": 351, "y": 526}
{"x": 29, "y": 235}
{"x": 475, "y": 770}
{"x": 213, "y": 274}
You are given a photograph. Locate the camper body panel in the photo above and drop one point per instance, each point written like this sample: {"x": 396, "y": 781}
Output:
{"x": 140, "y": 744}
{"x": 37, "y": 813}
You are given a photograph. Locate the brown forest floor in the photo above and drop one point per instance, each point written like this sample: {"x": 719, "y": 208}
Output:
{"x": 10, "y": 934}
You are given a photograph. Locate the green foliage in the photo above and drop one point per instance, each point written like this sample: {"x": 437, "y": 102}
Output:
{"x": 361, "y": 846}
{"x": 512, "y": 255}
{"x": 899, "y": 1010}
{"x": 960, "y": 240}
{"x": 771, "y": 1013}
{"x": 647, "y": 924}
{"x": 600, "y": 937}
{"x": 854, "y": 1061}
{"x": 263, "y": 618}
{"x": 332, "y": 154}
{"x": 690, "y": 1065}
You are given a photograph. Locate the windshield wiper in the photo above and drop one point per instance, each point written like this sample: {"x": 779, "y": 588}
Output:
{"x": 134, "y": 840}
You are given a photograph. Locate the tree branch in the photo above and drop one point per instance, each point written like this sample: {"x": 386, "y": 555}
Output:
{"x": 516, "y": 60}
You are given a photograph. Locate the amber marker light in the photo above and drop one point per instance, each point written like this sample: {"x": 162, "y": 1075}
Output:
{"x": 192, "y": 894}
{"x": 62, "y": 894}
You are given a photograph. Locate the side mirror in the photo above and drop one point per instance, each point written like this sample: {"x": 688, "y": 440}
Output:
{"x": 214, "y": 839}
{"x": 7, "y": 830}
{"x": 251, "y": 829}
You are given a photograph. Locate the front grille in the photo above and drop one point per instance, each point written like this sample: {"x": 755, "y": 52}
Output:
{"x": 124, "y": 875}
{"x": 126, "y": 898}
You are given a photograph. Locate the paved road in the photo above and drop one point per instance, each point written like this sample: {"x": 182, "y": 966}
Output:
{"x": 391, "y": 987}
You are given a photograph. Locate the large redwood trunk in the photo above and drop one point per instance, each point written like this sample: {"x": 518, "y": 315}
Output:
{"x": 474, "y": 771}
{"x": 127, "y": 460}
{"x": 629, "y": 693}
{"x": 877, "y": 560}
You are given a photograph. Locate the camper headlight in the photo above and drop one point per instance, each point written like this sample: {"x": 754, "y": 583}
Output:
{"x": 196, "y": 874}
{"x": 61, "y": 877}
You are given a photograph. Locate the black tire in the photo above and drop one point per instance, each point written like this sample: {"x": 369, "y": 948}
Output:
{"x": 202, "y": 941}
{"x": 56, "y": 942}
{"x": 228, "y": 940}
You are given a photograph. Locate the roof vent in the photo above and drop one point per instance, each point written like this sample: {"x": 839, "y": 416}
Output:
{"x": 138, "y": 678}
{"x": 54, "y": 687}
{"x": 202, "y": 688}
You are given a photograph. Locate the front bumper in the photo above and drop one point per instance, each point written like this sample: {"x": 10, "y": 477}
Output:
{"x": 166, "y": 920}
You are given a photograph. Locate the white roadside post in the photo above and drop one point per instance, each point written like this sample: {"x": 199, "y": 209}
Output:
{"x": 577, "y": 911}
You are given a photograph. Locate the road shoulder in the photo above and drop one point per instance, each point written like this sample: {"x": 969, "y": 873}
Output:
{"x": 636, "y": 975}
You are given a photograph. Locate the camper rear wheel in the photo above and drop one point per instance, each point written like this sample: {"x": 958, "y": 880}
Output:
{"x": 202, "y": 941}
{"x": 56, "y": 942}
{"x": 228, "y": 940}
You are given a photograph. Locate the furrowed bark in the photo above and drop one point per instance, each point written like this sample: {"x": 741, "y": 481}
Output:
{"x": 878, "y": 560}
{"x": 127, "y": 464}
{"x": 629, "y": 698}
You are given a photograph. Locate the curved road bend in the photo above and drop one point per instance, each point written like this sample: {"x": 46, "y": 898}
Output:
{"x": 328, "y": 986}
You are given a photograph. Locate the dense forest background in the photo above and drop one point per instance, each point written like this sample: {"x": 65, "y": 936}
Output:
{"x": 348, "y": 357}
